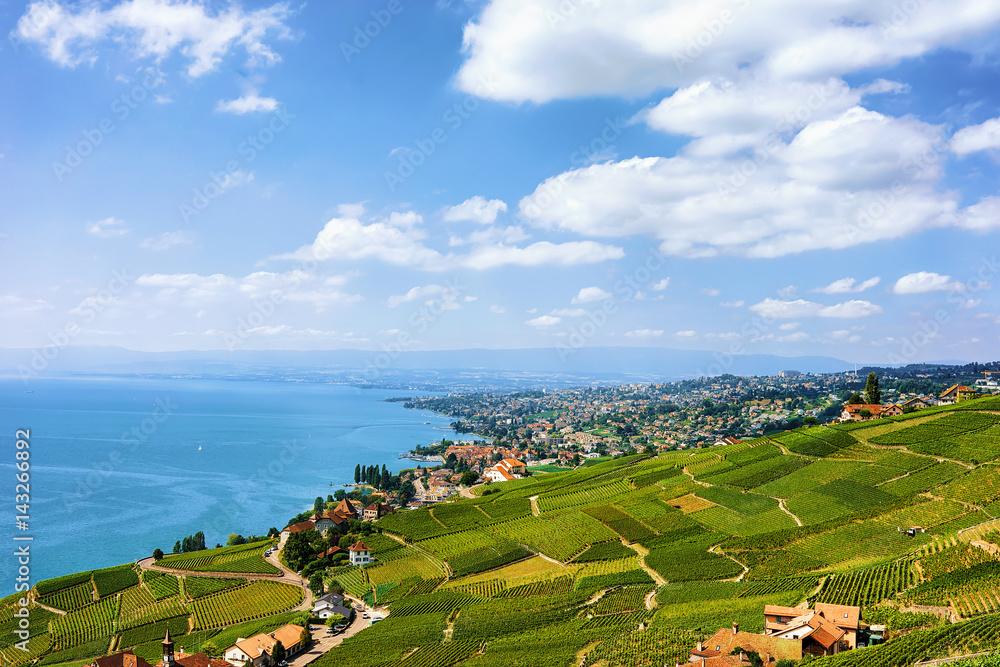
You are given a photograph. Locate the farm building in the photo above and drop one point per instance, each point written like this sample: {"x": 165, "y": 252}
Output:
{"x": 789, "y": 632}
{"x": 258, "y": 648}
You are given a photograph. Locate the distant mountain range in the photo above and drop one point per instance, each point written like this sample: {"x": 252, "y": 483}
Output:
{"x": 638, "y": 362}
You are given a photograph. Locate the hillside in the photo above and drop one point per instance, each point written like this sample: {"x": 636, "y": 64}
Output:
{"x": 627, "y": 562}
{"x": 632, "y": 561}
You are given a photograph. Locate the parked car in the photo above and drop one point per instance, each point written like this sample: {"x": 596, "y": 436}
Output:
{"x": 340, "y": 627}
{"x": 365, "y": 615}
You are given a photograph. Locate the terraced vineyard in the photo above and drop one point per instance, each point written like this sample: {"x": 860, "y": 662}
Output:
{"x": 246, "y": 558}
{"x": 256, "y": 600}
{"x": 486, "y": 583}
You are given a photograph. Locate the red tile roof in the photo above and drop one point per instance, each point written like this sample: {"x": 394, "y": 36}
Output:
{"x": 123, "y": 659}
{"x": 358, "y": 546}
{"x": 300, "y": 526}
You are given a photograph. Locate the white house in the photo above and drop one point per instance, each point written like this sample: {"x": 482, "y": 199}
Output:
{"x": 360, "y": 553}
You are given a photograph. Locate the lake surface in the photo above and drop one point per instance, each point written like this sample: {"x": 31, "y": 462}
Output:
{"x": 122, "y": 466}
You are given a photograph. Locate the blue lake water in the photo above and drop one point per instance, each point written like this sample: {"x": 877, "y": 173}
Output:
{"x": 116, "y": 469}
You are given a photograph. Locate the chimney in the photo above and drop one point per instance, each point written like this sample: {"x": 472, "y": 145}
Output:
{"x": 700, "y": 647}
{"x": 736, "y": 627}
{"x": 743, "y": 656}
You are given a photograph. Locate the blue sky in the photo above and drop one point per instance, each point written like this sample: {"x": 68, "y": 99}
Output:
{"x": 780, "y": 177}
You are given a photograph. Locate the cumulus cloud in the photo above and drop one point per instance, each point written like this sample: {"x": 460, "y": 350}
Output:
{"x": 537, "y": 51}
{"x": 847, "y": 286}
{"x": 644, "y": 333}
{"x": 193, "y": 290}
{"x": 778, "y": 309}
{"x": 977, "y": 137}
{"x": 797, "y": 337}
{"x": 416, "y": 293}
{"x": 687, "y": 334}
{"x": 805, "y": 194}
{"x": 249, "y": 103}
{"x": 660, "y": 285}
{"x": 543, "y": 321}
{"x": 498, "y": 310}
{"x": 72, "y": 34}
{"x": 588, "y": 294}
{"x": 733, "y": 304}
{"x": 922, "y": 282}
{"x": 569, "y": 312}
{"x": 476, "y": 209}
{"x": 107, "y": 228}
{"x": 399, "y": 239}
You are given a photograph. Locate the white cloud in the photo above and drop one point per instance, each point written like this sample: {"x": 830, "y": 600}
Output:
{"x": 588, "y": 294}
{"x": 788, "y": 292}
{"x": 543, "y": 321}
{"x": 661, "y": 285}
{"x": 778, "y": 309}
{"x": 154, "y": 29}
{"x": 415, "y": 293}
{"x": 806, "y": 194}
{"x": 790, "y": 326}
{"x": 476, "y": 209}
{"x": 393, "y": 240}
{"x": 922, "y": 282}
{"x": 399, "y": 239}
{"x": 249, "y": 103}
{"x": 847, "y": 286}
{"x": 851, "y": 309}
{"x": 499, "y": 310}
{"x": 711, "y": 291}
{"x": 688, "y": 334}
{"x": 195, "y": 291}
{"x": 733, "y": 304}
{"x": 977, "y": 137}
{"x": 542, "y": 253}
{"x": 644, "y": 333}
{"x": 108, "y": 228}
{"x": 166, "y": 240}
{"x": 537, "y": 51}
{"x": 797, "y": 337}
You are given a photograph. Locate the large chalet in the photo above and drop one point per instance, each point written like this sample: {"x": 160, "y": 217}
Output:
{"x": 789, "y": 632}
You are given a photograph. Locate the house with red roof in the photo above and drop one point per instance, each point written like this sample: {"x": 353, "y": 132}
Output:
{"x": 359, "y": 553}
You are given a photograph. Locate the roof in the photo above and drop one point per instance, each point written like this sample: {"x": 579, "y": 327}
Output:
{"x": 778, "y": 610}
{"x": 858, "y": 407}
{"x": 512, "y": 463}
{"x": 123, "y": 659}
{"x": 378, "y": 507}
{"x": 358, "y": 546}
{"x": 840, "y": 615}
{"x": 345, "y": 508}
{"x": 777, "y": 647}
{"x": 300, "y": 527}
{"x": 288, "y": 635}
{"x": 329, "y": 552}
{"x": 502, "y": 472}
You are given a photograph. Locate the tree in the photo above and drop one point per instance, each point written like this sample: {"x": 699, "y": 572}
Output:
{"x": 316, "y": 583}
{"x": 809, "y": 420}
{"x": 318, "y": 505}
{"x": 872, "y": 393}
{"x": 209, "y": 648}
{"x": 235, "y": 539}
{"x": 865, "y": 413}
{"x": 469, "y": 477}
{"x": 278, "y": 653}
{"x": 855, "y": 399}
{"x": 335, "y": 619}
{"x": 157, "y": 554}
{"x": 177, "y": 547}
{"x": 357, "y": 474}
{"x": 305, "y": 638}
{"x": 274, "y": 532}
{"x": 339, "y": 495}
{"x": 407, "y": 490}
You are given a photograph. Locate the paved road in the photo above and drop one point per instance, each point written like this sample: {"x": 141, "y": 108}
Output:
{"x": 322, "y": 642}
